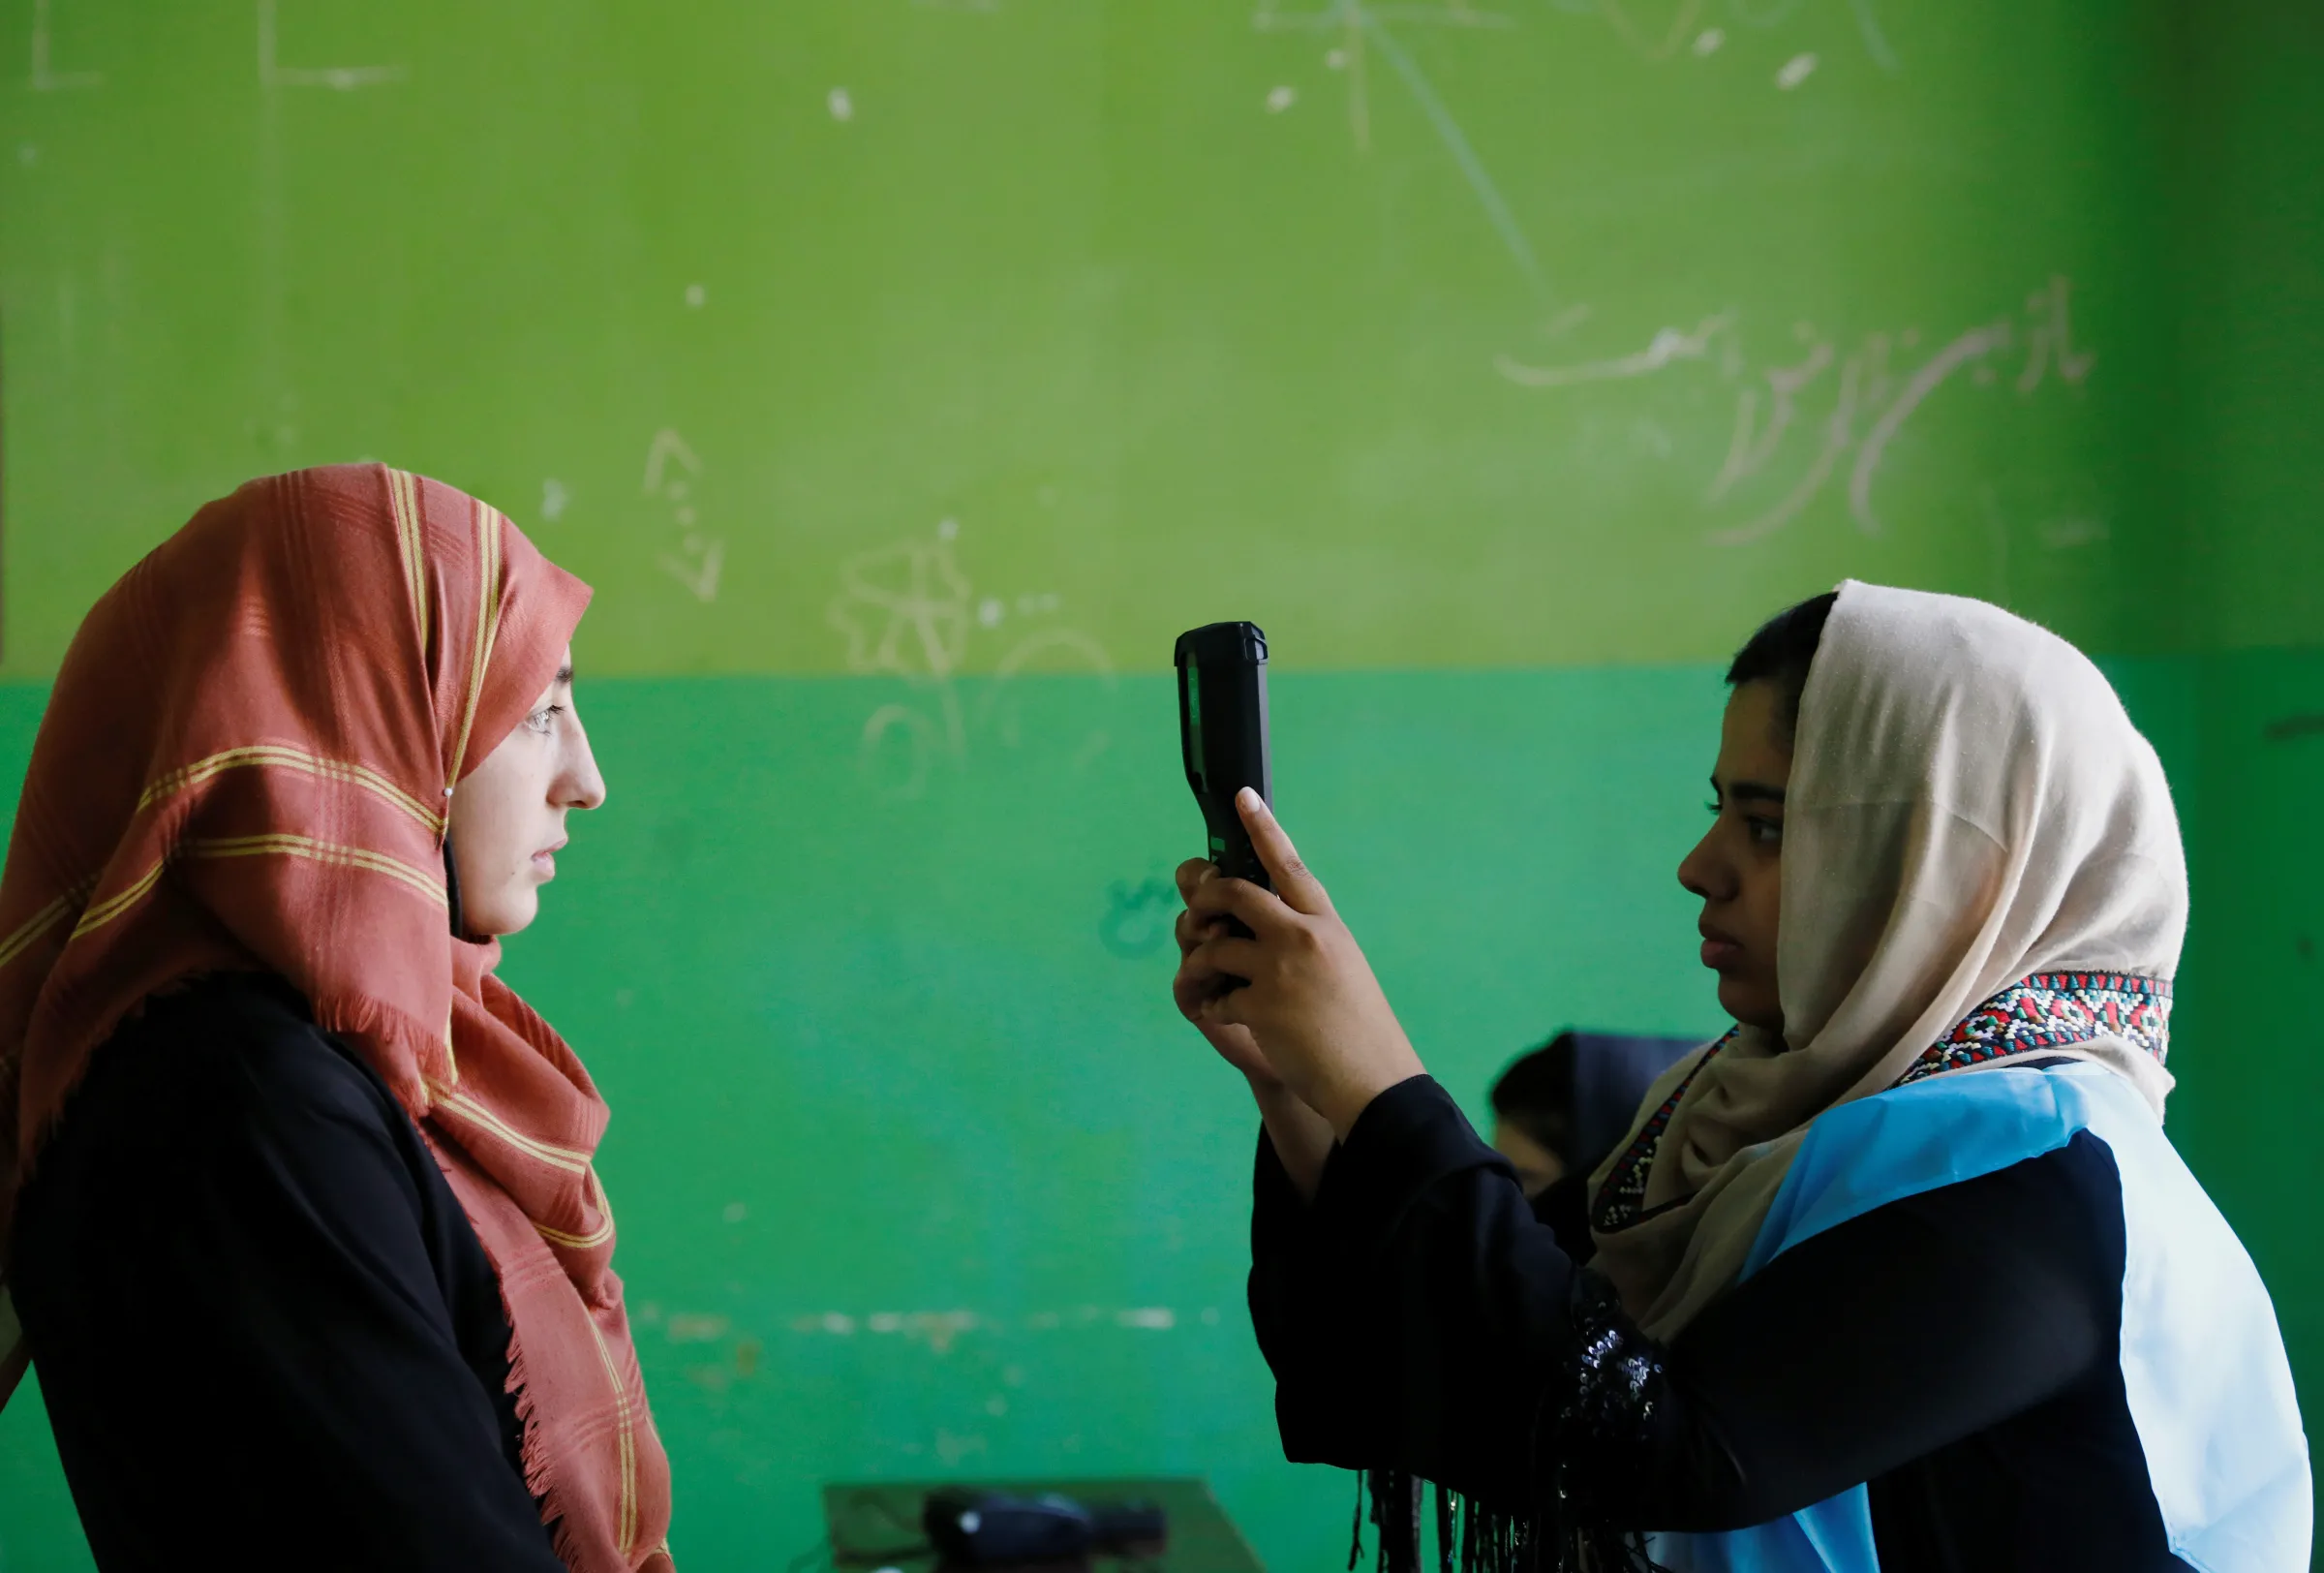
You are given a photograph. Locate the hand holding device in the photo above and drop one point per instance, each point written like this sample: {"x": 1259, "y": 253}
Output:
{"x": 1310, "y": 1008}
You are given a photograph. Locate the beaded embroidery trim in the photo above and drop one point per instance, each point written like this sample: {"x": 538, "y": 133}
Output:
{"x": 2055, "y": 1010}
{"x": 2049, "y": 1010}
{"x": 1624, "y": 1195}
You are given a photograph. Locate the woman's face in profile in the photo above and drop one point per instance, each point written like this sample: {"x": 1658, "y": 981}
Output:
{"x": 1737, "y": 867}
{"x": 509, "y": 813}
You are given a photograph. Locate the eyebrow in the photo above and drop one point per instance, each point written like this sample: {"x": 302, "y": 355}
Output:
{"x": 1750, "y": 791}
{"x": 564, "y": 676}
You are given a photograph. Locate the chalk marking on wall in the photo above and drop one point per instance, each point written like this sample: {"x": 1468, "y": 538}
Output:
{"x": 670, "y": 465}
{"x": 907, "y": 611}
{"x": 1971, "y": 346}
{"x": 1795, "y": 71}
{"x": 937, "y": 1329}
{"x": 554, "y": 499}
{"x": 922, "y": 600}
{"x": 941, "y": 1330}
{"x": 1667, "y": 348}
{"x": 698, "y": 569}
{"x": 1876, "y": 42}
{"x": 1655, "y": 46}
{"x": 2071, "y": 532}
{"x": 2050, "y": 344}
{"x": 272, "y": 73}
{"x": 1365, "y": 30}
{"x": 1769, "y": 407}
{"x": 925, "y": 744}
{"x": 1137, "y": 917}
{"x": 1839, "y": 429}
{"x": 1617, "y": 16}
{"x": 841, "y": 104}
{"x": 45, "y": 78}
{"x": 954, "y": 1449}
{"x": 1750, "y": 446}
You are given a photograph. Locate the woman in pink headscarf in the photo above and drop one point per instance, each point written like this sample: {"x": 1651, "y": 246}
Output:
{"x": 297, "y": 1202}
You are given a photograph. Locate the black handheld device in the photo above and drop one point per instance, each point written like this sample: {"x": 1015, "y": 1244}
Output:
{"x": 1222, "y": 727}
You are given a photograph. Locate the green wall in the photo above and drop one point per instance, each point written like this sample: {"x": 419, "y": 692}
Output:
{"x": 2245, "y": 198}
{"x": 1507, "y": 363}
{"x": 1448, "y": 333}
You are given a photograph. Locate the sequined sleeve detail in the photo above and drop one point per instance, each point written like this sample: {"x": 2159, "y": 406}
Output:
{"x": 1606, "y": 1422}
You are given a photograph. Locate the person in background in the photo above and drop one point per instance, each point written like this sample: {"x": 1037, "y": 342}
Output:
{"x": 1902, "y": 1274}
{"x": 1560, "y": 1111}
{"x": 298, "y": 1199}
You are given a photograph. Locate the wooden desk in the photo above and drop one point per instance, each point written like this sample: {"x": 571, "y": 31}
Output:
{"x": 871, "y": 1522}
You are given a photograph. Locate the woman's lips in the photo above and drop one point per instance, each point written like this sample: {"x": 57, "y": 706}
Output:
{"x": 1721, "y": 954}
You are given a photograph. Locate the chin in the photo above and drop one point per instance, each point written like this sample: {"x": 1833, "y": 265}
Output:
{"x": 503, "y": 917}
{"x": 1751, "y": 1005}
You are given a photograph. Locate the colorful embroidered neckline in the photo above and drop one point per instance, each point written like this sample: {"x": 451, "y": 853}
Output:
{"x": 2054, "y": 1010}
{"x": 2049, "y": 1010}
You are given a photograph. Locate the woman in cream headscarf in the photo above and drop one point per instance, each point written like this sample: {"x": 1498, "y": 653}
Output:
{"x": 1902, "y": 1273}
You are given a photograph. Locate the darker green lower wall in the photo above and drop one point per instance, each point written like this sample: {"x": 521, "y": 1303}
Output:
{"x": 917, "y": 1172}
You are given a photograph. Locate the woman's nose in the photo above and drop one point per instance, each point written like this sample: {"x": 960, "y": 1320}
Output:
{"x": 1703, "y": 873}
{"x": 582, "y": 786}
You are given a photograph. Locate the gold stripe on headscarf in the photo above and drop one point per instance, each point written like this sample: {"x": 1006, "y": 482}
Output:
{"x": 282, "y": 755}
{"x": 468, "y": 1108}
{"x": 286, "y": 845}
{"x": 488, "y": 621}
{"x": 403, "y": 501}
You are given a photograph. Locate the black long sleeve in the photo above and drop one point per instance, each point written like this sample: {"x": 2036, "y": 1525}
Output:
{"x": 258, "y": 1317}
{"x": 1419, "y": 1317}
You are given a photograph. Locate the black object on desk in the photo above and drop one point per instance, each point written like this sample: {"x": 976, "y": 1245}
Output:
{"x": 877, "y": 1524}
{"x": 969, "y": 1527}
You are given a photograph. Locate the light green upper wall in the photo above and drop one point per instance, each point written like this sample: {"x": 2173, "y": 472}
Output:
{"x": 1449, "y": 334}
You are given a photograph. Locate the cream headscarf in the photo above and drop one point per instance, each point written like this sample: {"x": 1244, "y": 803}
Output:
{"x": 1968, "y": 806}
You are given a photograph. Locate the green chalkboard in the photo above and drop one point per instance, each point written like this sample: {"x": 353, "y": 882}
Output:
{"x": 939, "y": 336}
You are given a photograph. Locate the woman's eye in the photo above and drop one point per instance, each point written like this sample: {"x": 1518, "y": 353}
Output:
{"x": 538, "y": 721}
{"x": 1765, "y": 832}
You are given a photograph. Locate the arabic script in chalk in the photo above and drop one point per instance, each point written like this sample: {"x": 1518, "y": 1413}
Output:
{"x": 1832, "y": 410}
